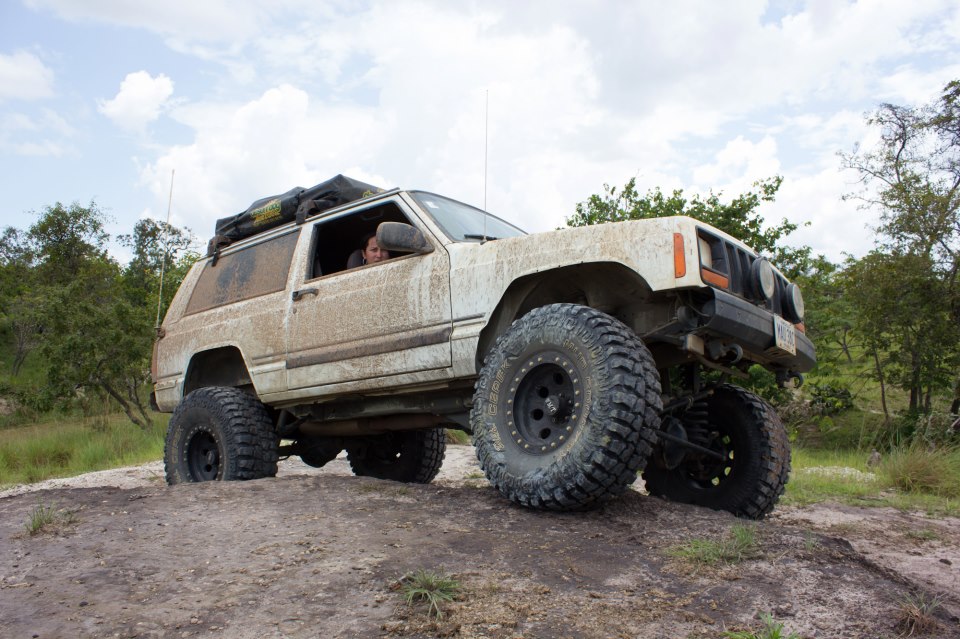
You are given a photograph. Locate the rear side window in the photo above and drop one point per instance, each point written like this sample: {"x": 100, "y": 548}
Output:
{"x": 250, "y": 272}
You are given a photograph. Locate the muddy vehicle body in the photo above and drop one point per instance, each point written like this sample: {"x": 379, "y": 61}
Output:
{"x": 575, "y": 358}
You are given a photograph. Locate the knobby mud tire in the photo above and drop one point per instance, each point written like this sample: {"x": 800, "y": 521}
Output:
{"x": 565, "y": 408}
{"x": 219, "y": 433}
{"x": 753, "y": 477}
{"x": 412, "y": 457}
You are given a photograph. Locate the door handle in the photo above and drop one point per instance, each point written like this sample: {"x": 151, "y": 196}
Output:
{"x": 299, "y": 294}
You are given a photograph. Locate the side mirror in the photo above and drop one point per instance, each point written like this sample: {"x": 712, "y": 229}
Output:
{"x": 396, "y": 236}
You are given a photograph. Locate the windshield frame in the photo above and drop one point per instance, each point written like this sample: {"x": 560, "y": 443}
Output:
{"x": 468, "y": 236}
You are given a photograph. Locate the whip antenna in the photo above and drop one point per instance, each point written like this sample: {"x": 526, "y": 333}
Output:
{"x": 163, "y": 246}
{"x": 486, "y": 129}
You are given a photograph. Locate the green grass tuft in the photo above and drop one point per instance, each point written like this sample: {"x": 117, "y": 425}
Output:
{"x": 918, "y": 614}
{"x": 432, "y": 588}
{"x": 741, "y": 544}
{"x": 770, "y": 630}
{"x": 47, "y": 518}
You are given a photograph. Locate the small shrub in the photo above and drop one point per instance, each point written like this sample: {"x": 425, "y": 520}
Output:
{"x": 770, "y": 630}
{"x": 831, "y": 399}
{"x": 917, "y": 615}
{"x": 739, "y": 545}
{"x": 433, "y": 588}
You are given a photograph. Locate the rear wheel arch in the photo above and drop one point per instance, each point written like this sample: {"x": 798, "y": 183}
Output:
{"x": 222, "y": 366}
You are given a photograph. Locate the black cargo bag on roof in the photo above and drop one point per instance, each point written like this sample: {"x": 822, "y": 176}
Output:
{"x": 298, "y": 203}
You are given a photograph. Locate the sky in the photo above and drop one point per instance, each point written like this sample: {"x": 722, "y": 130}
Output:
{"x": 526, "y": 108}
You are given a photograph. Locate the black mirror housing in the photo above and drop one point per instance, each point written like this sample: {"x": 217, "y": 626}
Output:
{"x": 396, "y": 236}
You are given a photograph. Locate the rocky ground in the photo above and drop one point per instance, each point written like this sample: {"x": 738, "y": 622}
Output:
{"x": 318, "y": 553}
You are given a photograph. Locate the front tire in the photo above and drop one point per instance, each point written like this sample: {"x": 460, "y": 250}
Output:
{"x": 219, "y": 433}
{"x": 755, "y": 468}
{"x": 565, "y": 408}
{"x": 411, "y": 456}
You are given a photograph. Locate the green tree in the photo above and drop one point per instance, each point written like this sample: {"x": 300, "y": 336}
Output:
{"x": 64, "y": 238}
{"x": 160, "y": 250}
{"x": 901, "y": 319}
{"x": 17, "y": 301}
{"x": 912, "y": 177}
{"x": 829, "y": 316}
{"x": 738, "y": 217}
{"x": 96, "y": 340}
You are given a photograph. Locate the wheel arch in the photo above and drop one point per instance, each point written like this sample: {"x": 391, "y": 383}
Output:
{"x": 223, "y": 366}
{"x": 609, "y": 287}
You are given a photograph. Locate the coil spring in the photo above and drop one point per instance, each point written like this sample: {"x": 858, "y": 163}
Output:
{"x": 696, "y": 421}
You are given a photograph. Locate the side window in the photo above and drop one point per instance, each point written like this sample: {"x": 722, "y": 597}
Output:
{"x": 252, "y": 271}
{"x": 336, "y": 239}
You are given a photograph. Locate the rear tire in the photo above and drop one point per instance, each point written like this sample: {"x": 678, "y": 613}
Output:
{"x": 411, "y": 456}
{"x": 565, "y": 408}
{"x": 219, "y": 433}
{"x": 756, "y": 466}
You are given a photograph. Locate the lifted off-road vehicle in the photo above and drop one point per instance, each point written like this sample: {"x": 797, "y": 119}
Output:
{"x": 576, "y": 358}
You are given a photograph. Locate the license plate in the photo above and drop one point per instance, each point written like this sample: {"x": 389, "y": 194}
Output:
{"x": 785, "y": 335}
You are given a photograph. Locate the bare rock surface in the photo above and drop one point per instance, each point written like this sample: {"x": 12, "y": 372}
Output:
{"x": 317, "y": 553}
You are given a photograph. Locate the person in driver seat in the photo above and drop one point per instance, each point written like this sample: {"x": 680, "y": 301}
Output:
{"x": 368, "y": 253}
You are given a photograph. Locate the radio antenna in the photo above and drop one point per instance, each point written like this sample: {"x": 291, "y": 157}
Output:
{"x": 163, "y": 246}
{"x": 486, "y": 129}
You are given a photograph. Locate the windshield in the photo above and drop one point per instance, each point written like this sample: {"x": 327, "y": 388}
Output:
{"x": 463, "y": 222}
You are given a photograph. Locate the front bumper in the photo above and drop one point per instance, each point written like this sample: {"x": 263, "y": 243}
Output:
{"x": 737, "y": 321}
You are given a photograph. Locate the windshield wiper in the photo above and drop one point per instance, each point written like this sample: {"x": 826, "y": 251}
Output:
{"x": 478, "y": 236}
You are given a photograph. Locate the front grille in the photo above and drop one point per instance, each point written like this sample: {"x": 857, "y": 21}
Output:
{"x": 736, "y": 263}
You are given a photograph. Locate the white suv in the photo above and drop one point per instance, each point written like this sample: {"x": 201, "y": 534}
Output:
{"x": 575, "y": 358}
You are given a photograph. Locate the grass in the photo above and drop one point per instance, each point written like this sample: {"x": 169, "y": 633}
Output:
{"x": 771, "y": 630}
{"x": 432, "y": 588}
{"x": 916, "y": 469}
{"x": 457, "y": 437}
{"x": 47, "y": 518}
{"x": 917, "y": 615}
{"x": 64, "y": 447}
{"x": 739, "y": 545}
{"x": 907, "y": 479}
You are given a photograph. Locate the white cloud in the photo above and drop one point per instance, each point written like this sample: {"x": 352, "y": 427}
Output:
{"x": 709, "y": 96}
{"x": 139, "y": 102}
{"x": 43, "y": 134}
{"x": 837, "y": 227}
{"x": 24, "y": 77}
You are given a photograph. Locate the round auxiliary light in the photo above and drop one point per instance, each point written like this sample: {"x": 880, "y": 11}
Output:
{"x": 764, "y": 279}
{"x": 793, "y": 303}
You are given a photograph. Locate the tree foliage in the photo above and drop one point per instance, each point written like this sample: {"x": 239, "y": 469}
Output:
{"x": 906, "y": 295}
{"x": 89, "y": 318}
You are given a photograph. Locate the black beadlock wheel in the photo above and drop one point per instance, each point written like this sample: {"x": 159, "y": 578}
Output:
{"x": 219, "y": 433}
{"x": 565, "y": 408}
{"x": 755, "y": 466}
{"x": 413, "y": 456}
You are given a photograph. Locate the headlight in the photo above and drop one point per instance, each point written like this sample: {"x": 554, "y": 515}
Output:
{"x": 793, "y": 303}
{"x": 764, "y": 279}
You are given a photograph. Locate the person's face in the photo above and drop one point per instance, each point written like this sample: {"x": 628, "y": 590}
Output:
{"x": 373, "y": 253}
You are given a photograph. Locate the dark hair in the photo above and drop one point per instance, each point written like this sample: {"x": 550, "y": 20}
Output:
{"x": 366, "y": 238}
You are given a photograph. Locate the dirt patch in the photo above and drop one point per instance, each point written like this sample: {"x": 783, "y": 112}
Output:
{"x": 317, "y": 553}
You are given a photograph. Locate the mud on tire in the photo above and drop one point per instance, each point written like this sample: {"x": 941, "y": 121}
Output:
{"x": 565, "y": 408}
{"x": 219, "y": 433}
{"x": 412, "y": 456}
{"x": 756, "y": 466}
